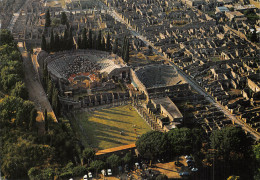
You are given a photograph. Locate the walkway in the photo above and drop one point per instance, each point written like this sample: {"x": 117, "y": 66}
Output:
{"x": 15, "y": 17}
{"x": 35, "y": 89}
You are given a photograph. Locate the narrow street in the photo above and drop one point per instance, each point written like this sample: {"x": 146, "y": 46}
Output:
{"x": 16, "y": 16}
{"x": 191, "y": 81}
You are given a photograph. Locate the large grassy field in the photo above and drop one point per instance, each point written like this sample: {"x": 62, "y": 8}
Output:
{"x": 103, "y": 127}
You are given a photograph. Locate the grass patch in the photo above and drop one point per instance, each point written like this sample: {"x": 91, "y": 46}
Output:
{"x": 103, "y": 127}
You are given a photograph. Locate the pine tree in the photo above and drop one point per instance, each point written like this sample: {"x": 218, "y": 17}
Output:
{"x": 43, "y": 44}
{"x": 94, "y": 42}
{"x": 79, "y": 42}
{"x": 58, "y": 107}
{"x": 46, "y": 120}
{"x": 52, "y": 41}
{"x": 55, "y": 99}
{"x": 99, "y": 40}
{"x": 90, "y": 39}
{"x": 103, "y": 44}
{"x": 47, "y": 19}
{"x": 115, "y": 46}
{"x": 84, "y": 39}
{"x": 123, "y": 49}
{"x": 127, "y": 52}
{"x": 33, "y": 116}
{"x": 64, "y": 18}
{"x": 49, "y": 90}
{"x": 56, "y": 43}
{"x": 45, "y": 76}
{"x": 70, "y": 40}
{"x": 108, "y": 45}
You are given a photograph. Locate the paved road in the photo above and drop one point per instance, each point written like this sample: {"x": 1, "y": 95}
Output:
{"x": 15, "y": 17}
{"x": 191, "y": 81}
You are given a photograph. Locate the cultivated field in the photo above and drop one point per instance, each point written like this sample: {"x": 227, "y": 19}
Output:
{"x": 111, "y": 127}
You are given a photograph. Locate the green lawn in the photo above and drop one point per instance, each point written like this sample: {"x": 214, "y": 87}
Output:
{"x": 103, "y": 127}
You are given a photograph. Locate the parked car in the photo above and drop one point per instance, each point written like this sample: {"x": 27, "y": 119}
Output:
{"x": 184, "y": 173}
{"x": 194, "y": 169}
{"x": 188, "y": 157}
{"x": 109, "y": 172}
{"x": 103, "y": 171}
{"x": 85, "y": 177}
{"x": 90, "y": 175}
{"x": 189, "y": 162}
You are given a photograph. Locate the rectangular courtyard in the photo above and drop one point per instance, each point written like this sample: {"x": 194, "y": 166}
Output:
{"x": 110, "y": 127}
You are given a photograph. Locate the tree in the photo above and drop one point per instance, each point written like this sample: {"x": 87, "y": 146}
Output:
{"x": 88, "y": 154}
{"x": 20, "y": 90}
{"x": 79, "y": 171}
{"x": 52, "y": 41}
{"x": 125, "y": 50}
{"x": 6, "y": 37}
{"x": 108, "y": 45}
{"x": 79, "y": 42}
{"x": 180, "y": 142}
{"x": 126, "y": 57}
{"x": 33, "y": 116}
{"x": 65, "y": 39}
{"x": 57, "y": 42}
{"x": 70, "y": 40}
{"x": 19, "y": 118}
{"x": 231, "y": 143}
{"x": 64, "y": 19}
{"x": 97, "y": 165}
{"x": 90, "y": 39}
{"x": 256, "y": 151}
{"x": 127, "y": 158}
{"x": 46, "y": 123}
{"x": 94, "y": 41}
{"x": 47, "y": 19}
{"x": 44, "y": 44}
{"x": 54, "y": 100}
{"x": 99, "y": 40}
{"x": 84, "y": 39}
{"x": 113, "y": 160}
{"x": 161, "y": 177}
{"x": 115, "y": 46}
{"x": 152, "y": 145}
{"x": 49, "y": 90}
{"x": 33, "y": 173}
{"x": 9, "y": 106}
{"x": 26, "y": 108}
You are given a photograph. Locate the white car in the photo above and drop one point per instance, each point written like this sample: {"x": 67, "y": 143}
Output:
{"x": 194, "y": 169}
{"x": 109, "y": 172}
{"x": 103, "y": 171}
{"x": 188, "y": 157}
{"x": 85, "y": 177}
{"x": 90, "y": 175}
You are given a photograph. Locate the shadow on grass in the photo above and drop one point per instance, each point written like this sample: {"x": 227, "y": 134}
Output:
{"x": 111, "y": 111}
{"x": 100, "y": 117}
{"x": 95, "y": 130}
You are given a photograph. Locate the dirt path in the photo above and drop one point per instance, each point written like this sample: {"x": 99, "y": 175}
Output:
{"x": 35, "y": 89}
